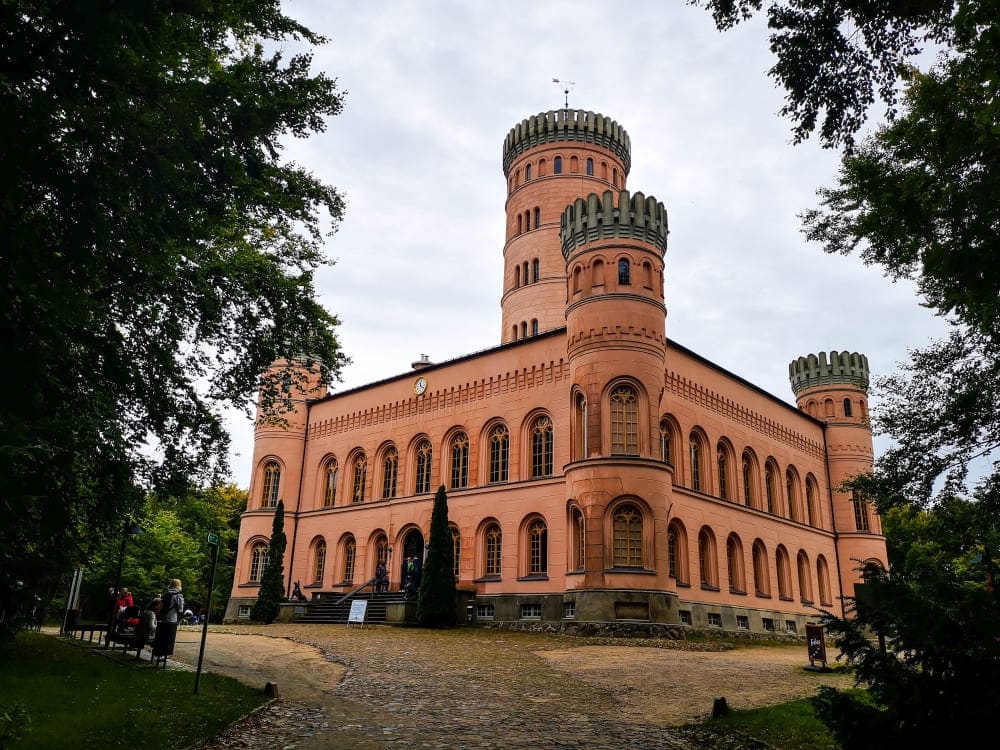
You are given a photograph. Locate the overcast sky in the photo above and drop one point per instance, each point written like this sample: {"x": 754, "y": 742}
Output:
{"x": 432, "y": 88}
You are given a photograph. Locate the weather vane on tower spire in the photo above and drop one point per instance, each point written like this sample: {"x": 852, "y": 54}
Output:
{"x": 566, "y": 87}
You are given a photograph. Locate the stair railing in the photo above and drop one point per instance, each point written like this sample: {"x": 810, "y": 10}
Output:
{"x": 369, "y": 582}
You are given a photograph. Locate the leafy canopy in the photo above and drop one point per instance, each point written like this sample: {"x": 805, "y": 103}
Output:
{"x": 157, "y": 252}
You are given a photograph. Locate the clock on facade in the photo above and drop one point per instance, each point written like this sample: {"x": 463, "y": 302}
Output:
{"x": 420, "y": 385}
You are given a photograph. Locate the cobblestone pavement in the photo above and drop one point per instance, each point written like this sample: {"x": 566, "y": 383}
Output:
{"x": 378, "y": 688}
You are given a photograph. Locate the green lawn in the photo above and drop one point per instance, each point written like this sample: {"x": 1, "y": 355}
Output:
{"x": 77, "y": 698}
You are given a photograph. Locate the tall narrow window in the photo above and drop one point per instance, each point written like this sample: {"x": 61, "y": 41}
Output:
{"x": 456, "y": 551}
{"x": 499, "y": 453}
{"x": 258, "y": 559}
{"x": 627, "y": 530}
{"x": 769, "y": 489}
{"x": 330, "y": 485}
{"x": 625, "y": 421}
{"x": 493, "y": 541}
{"x": 535, "y": 271}
{"x": 847, "y": 408}
{"x": 360, "y": 478}
{"x": 557, "y": 165}
{"x": 723, "y": 468}
{"x": 424, "y": 454}
{"x": 390, "y": 467}
{"x": 860, "y": 513}
{"x": 319, "y": 562}
{"x": 541, "y": 448}
{"x": 538, "y": 540}
{"x": 350, "y": 550}
{"x": 747, "y": 481}
{"x": 624, "y": 272}
{"x": 695, "y": 462}
{"x": 272, "y": 478}
{"x": 590, "y": 167}
{"x": 579, "y": 540}
{"x": 460, "y": 461}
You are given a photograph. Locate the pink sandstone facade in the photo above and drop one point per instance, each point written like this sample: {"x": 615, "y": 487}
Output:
{"x": 596, "y": 472}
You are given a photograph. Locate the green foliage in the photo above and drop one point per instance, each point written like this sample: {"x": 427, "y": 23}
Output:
{"x": 76, "y": 698}
{"x": 157, "y": 253}
{"x": 938, "y": 614}
{"x": 436, "y": 603}
{"x": 272, "y": 580}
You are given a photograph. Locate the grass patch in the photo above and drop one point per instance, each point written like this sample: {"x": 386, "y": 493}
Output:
{"x": 75, "y": 697}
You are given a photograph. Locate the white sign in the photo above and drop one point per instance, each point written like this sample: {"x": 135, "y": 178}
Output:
{"x": 359, "y": 608}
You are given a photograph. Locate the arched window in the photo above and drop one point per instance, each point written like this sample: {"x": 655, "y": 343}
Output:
{"x": 723, "y": 467}
{"x": 761, "y": 577}
{"x": 784, "y": 573}
{"x": 330, "y": 484}
{"x": 769, "y": 489}
{"x": 747, "y": 481}
{"x": 823, "y": 579}
{"x": 350, "y": 551}
{"x": 534, "y": 327}
{"x": 493, "y": 540}
{"x": 390, "y": 466}
{"x": 590, "y": 167}
{"x": 538, "y": 546}
{"x": 360, "y": 478}
{"x": 272, "y": 478}
{"x": 860, "y": 513}
{"x": 812, "y": 508}
{"x": 579, "y": 540}
{"x": 541, "y": 448}
{"x": 707, "y": 565}
{"x": 456, "y": 550}
{"x": 625, "y": 421}
{"x": 258, "y": 559}
{"x": 665, "y": 446}
{"x": 319, "y": 561}
{"x": 538, "y": 217}
{"x": 557, "y": 165}
{"x": 805, "y": 579}
{"x": 624, "y": 272}
{"x": 734, "y": 564}
{"x": 424, "y": 454}
{"x": 499, "y": 442}
{"x": 535, "y": 271}
{"x": 696, "y": 454}
{"x": 527, "y": 172}
{"x": 847, "y": 408}
{"x": 627, "y": 541}
{"x": 460, "y": 461}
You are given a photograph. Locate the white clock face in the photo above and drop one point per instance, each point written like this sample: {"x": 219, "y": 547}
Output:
{"x": 420, "y": 386}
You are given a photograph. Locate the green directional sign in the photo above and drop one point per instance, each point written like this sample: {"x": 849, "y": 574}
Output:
{"x": 213, "y": 539}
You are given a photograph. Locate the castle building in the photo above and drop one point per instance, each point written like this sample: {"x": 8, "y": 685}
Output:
{"x": 596, "y": 471}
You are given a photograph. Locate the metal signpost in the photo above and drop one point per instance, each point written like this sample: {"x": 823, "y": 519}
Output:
{"x": 213, "y": 542}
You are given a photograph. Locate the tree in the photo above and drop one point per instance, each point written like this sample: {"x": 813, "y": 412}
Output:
{"x": 436, "y": 602}
{"x": 272, "y": 579}
{"x": 157, "y": 253}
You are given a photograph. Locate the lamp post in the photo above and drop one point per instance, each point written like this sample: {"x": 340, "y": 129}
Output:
{"x": 128, "y": 530}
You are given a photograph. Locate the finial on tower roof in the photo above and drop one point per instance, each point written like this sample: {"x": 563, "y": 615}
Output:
{"x": 566, "y": 87}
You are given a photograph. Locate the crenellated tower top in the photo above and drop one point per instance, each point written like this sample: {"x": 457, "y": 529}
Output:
{"x": 567, "y": 125}
{"x": 842, "y": 368}
{"x": 597, "y": 217}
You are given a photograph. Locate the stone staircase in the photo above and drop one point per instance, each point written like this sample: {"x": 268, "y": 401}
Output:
{"x": 335, "y": 609}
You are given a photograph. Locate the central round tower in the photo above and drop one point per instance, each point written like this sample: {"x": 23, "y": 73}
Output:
{"x": 550, "y": 160}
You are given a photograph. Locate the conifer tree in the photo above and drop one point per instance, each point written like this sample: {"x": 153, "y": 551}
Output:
{"x": 436, "y": 603}
{"x": 272, "y": 580}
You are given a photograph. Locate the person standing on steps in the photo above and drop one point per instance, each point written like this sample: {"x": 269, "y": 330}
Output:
{"x": 172, "y": 605}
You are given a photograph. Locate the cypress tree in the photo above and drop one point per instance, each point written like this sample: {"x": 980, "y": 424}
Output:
{"x": 436, "y": 602}
{"x": 272, "y": 580}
